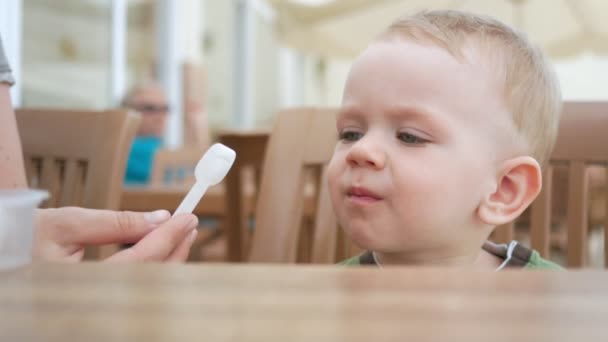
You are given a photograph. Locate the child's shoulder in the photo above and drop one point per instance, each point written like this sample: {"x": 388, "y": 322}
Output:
{"x": 536, "y": 262}
{"x": 366, "y": 258}
{"x": 514, "y": 255}
{"x": 354, "y": 261}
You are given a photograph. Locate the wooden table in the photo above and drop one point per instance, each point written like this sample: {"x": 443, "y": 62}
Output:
{"x": 151, "y": 302}
{"x": 146, "y": 198}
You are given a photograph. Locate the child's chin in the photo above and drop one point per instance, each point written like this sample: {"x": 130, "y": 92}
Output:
{"x": 363, "y": 237}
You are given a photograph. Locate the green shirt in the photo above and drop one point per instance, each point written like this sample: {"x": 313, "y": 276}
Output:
{"x": 513, "y": 255}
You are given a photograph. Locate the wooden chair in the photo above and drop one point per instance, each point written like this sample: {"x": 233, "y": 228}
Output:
{"x": 301, "y": 145}
{"x": 79, "y": 157}
{"x": 175, "y": 167}
{"x": 242, "y": 183}
{"x": 171, "y": 177}
{"x": 582, "y": 141}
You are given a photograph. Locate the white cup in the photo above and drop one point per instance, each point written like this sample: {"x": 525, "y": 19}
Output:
{"x": 17, "y": 209}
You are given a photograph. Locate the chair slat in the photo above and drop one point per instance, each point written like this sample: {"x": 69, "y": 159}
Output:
{"x": 577, "y": 214}
{"x": 31, "y": 170}
{"x": 71, "y": 178}
{"x": 326, "y": 235}
{"x": 79, "y": 182}
{"x": 50, "y": 180}
{"x": 540, "y": 221}
{"x": 297, "y": 221}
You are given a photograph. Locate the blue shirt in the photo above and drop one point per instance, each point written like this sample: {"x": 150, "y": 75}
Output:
{"x": 139, "y": 165}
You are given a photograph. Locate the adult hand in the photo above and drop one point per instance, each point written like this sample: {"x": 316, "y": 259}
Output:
{"x": 61, "y": 234}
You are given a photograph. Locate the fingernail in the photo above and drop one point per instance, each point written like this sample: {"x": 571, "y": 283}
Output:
{"x": 157, "y": 217}
{"x": 187, "y": 222}
{"x": 192, "y": 236}
{"x": 193, "y": 222}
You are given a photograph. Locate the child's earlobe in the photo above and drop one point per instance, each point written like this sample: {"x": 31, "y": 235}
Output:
{"x": 519, "y": 184}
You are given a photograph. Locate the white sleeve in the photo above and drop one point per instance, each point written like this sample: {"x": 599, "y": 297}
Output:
{"x": 5, "y": 69}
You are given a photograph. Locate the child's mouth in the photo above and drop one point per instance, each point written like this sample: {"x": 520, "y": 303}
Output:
{"x": 362, "y": 195}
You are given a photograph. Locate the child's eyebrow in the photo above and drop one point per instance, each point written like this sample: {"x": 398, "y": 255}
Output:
{"x": 413, "y": 112}
{"x": 349, "y": 113}
{"x": 434, "y": 121}
{"x": 420, "y": 114}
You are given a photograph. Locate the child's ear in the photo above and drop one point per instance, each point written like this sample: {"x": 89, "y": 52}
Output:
{"x": 517, "y": 186}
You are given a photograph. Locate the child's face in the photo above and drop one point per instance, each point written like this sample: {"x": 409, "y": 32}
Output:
{"x": 419, "y": 142}
{"x": 151, "y": 103}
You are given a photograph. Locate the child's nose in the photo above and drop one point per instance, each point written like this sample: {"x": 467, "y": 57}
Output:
{"x": 367, "y": 153}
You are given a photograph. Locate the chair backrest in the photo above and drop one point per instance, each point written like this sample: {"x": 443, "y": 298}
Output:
{"x": 78, "y": 156}
{"x": 582, "y": 142}
{"x": 300, "y": 146}
{"x": 242, "y": 184}
{"x": 175, "y": 167}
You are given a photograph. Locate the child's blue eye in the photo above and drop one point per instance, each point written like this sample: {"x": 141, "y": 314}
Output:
{"x": 409, "y": 138}
{"x": 350, "y": 136}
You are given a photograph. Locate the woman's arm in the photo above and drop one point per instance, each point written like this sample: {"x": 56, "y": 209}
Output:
{"x": 12, "y": 171}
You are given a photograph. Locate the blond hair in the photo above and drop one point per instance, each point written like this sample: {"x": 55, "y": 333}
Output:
{"x": 531, "y": 88}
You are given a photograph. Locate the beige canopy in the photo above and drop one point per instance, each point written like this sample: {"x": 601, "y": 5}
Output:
{"x": 563, "y": 28}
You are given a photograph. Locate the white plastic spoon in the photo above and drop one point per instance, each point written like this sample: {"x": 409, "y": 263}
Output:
{"x": 210, "y": 170}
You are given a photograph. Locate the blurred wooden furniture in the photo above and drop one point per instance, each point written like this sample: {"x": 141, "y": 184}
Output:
{"x": 175, "y": 167}
{"x": 301, "y": 145}
{"x": 79, "y": 157}
{"x": 171, "y": 179}
{"x": 212, "y": 205}
{"x": 147, "y": 198}
{"x": 159, "y": 302}
{"x": 242, "y": 182}
{"x": 582, "y": 141}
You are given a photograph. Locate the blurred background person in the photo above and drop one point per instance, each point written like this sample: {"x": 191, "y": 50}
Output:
{"x": 148, "y": 99}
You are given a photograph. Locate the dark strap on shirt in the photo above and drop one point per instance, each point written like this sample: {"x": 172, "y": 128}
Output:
{"x": 519, "y": 258}
{"x": 367, "y": 258}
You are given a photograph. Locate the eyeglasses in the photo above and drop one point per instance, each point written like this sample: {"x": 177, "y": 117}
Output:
{"x": 148, "y": 108}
